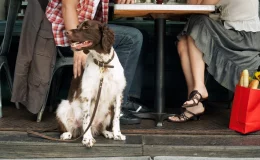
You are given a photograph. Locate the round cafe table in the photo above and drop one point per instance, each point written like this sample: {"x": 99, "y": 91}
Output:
{"x": 160, "y": 13}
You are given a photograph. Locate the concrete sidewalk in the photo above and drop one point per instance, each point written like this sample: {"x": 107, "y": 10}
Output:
{"x": 200, "y": 158}
{"x": 147, "y": 158}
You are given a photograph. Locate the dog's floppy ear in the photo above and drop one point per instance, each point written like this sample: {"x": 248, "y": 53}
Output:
{"x": 107, "y": 38}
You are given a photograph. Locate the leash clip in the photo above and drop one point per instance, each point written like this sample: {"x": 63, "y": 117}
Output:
{"x": 102, "y": 69}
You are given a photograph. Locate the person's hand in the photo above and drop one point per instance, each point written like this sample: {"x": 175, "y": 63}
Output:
{"x": 124, "y": 1}
{"x": 79, "y": 62}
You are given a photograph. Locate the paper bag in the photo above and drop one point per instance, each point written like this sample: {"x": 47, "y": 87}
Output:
{"x": 245, "y": 113}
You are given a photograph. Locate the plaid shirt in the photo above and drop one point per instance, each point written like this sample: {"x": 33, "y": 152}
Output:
{"x": 84, "y": 9}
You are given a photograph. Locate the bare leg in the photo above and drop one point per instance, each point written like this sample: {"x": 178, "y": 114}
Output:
{"x": 185, "y": 62}
{"x": 198, "y": 68}
{"x": 193, "y": 67}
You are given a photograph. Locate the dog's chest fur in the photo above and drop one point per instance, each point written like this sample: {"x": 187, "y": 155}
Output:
{"x": 113, "y": 81}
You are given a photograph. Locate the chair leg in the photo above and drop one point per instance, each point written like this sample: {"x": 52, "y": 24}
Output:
{"x": 9, "y": 80}
{"x": 55, "y": 87}
{"x": 17, "y": 105}
{"x": 1, "y": 109}
{"x": 39, "y": 116}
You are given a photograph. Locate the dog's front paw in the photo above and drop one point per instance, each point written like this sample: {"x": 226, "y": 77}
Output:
{"x": 88, "y": 142}
{"x": 65, "y": 136}
{"x": 119, "y": 136}
{"x": 108, "y": 134}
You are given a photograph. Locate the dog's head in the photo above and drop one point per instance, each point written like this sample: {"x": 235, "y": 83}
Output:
{"x": 91, "y": 35}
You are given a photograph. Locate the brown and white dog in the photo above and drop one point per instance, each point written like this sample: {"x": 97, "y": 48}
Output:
{"x": 74, "y": 114}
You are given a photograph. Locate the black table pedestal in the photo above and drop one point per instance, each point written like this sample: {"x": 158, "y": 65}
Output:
{"x": 159, "y": 116}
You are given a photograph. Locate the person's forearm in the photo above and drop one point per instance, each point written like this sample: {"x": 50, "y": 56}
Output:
{"x": 209, "y": 2}
{"x": 70, "y": 17}
{"x": 203, "y": 2}
{"x": 194, "y": 1}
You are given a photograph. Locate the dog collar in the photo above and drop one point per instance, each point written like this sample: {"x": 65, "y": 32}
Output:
{"x": 105, "y": 64}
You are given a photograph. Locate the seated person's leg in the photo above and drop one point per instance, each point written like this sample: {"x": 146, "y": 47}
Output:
{"x": 134, "y": 103}
{"x": 128, "y": 43}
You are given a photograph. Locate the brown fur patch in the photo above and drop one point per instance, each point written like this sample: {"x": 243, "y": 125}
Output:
{"x": 83, "y": 99}
{"x": 75, "y": 88}
{"x": 77, "y": 132}
{"x": 61, "y": 126}
{"x": 112, "y": 114}
{"x": 99, "y": 128}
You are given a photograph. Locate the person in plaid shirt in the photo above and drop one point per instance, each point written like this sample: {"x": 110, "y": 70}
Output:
{"x": 67, "y": 14}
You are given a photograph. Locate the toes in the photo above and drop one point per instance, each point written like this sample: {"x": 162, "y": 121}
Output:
{"x": 66, "y": 136}
{"x": 88, "y": 142}
{"x": 108, "y": 135}
{"x": 191, "y": 102}
{"x": 174, "y": 119}
{"x": 119, "y": 137}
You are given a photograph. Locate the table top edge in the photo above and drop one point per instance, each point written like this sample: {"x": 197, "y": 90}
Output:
{"x": 163, "y": 7}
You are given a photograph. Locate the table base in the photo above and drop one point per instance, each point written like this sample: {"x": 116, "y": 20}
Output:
{"x": 157, "y": 117}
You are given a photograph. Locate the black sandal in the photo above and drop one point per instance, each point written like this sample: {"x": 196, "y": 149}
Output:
{"x": 183, "y": 118}
{"x": 194, "y": 95}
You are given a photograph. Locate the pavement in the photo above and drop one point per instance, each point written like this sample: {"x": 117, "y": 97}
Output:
{"x": 147, "y": 158}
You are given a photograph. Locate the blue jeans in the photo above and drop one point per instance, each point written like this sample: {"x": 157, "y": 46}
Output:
{"x": 128, "y": 44}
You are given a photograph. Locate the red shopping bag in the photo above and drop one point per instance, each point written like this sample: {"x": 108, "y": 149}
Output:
{"x": 245, "y": 113}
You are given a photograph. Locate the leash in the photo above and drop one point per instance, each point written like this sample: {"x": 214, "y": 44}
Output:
{"x": 102, "y": 66}
{"x": 91, "y": 120}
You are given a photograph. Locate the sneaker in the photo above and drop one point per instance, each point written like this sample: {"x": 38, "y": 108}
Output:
{"x": 136, "y": 107}
{"x": 126, "y": 117}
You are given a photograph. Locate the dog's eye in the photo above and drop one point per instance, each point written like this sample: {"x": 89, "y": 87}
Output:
{"x": 85, "y": 27}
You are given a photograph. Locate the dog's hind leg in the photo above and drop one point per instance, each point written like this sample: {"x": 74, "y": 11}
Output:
{"x": 65, "y": 118}
{"x": 116, "y": 123}
{"x": 66, "y": 136}
{"x": 88, "y": 139}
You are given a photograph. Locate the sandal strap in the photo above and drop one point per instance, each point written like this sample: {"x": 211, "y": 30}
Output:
{"x": 195, "y": 95}
{"x": 192, "y": 93}
{"x": 193, "y": 114}
{"x": 183, "y": 117}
